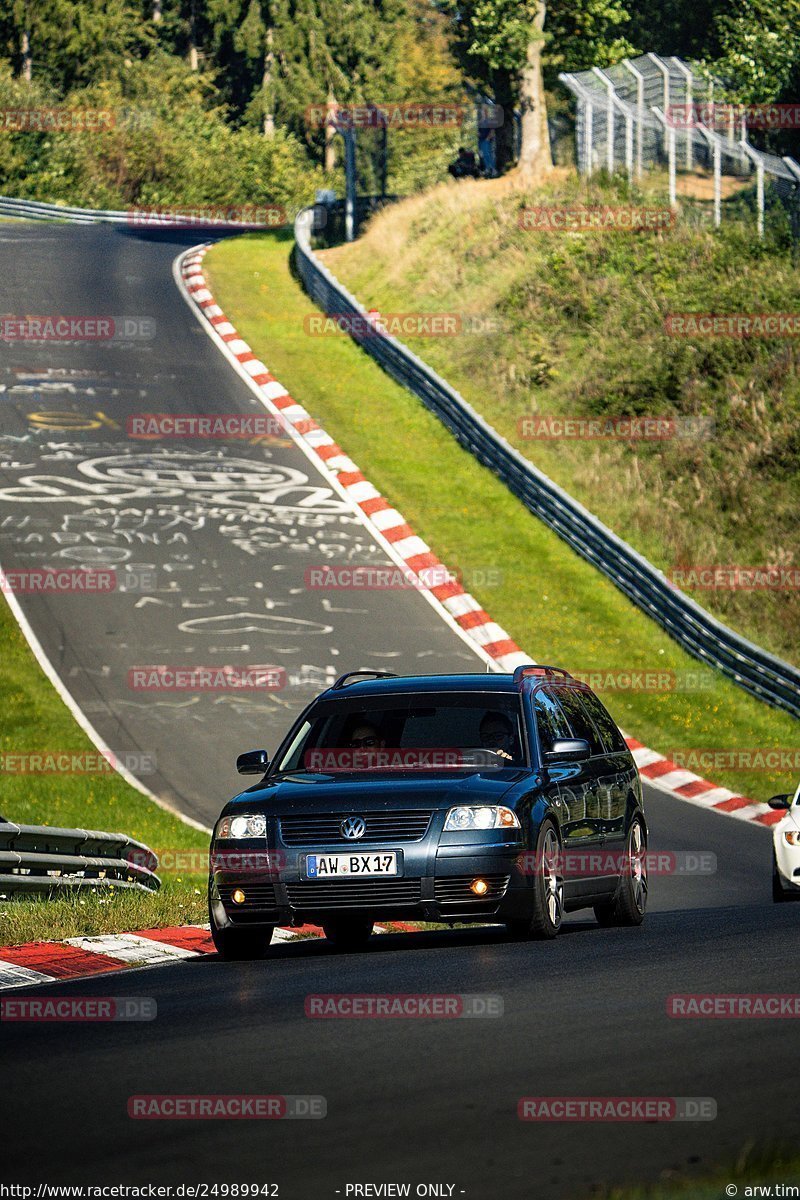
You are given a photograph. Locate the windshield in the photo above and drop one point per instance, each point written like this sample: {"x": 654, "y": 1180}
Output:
{"x": 434, "y": 732}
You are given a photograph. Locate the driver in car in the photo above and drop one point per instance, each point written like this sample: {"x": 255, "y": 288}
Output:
{"x": 497, "y": 735}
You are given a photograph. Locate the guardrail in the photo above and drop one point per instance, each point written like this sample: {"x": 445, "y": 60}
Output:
{"x": 702, "y": 635}
{"x": 41, "y": 859}
{"x": 35, "y": 210}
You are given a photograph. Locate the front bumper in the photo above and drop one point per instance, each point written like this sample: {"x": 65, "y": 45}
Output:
{"x": 434, "y": 885}
{"x": 787, "y": 860}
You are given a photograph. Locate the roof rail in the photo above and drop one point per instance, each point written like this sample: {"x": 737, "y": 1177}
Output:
{"x": 539, "y": 670}
{"x": 342, "y": 680}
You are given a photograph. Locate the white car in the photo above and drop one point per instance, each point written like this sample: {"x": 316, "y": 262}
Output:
{"x": 786, "y": 849}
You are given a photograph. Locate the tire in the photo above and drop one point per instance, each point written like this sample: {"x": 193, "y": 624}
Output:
{"x": 778, "y": 894}
{"x": 548, "y": 890}
{"x": 348, "y": 933}
{"x": 630, "y": 901}
{"x": 237, "y": 944}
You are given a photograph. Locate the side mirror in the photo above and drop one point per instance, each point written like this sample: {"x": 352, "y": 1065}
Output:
{"x": 254, "y": 762}
{"x": 567, "y": 750}
{"x": 780, "y": 802}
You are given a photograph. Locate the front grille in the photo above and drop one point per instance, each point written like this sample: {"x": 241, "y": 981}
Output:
{"x": 259, "y": 900}
{"x": 315, "y": 829}
{"x": 353, "y": 893}
{"x": 454, "y": 891}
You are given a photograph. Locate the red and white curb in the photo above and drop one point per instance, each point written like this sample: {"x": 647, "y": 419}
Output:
{"x": 392, "y": 530}
{"x": 82, "y": 957}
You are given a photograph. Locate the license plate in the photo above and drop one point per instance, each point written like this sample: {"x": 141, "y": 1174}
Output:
{"x": 339, "y": 866}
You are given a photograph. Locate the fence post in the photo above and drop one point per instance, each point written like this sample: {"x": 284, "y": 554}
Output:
{"x": 669, "y": 130}
{"x": 688, "y": 77}
{"x": 588, "y": 132}
{"x": 717, "y": 183}
{"x": 350, "y": 183}
{"x": 756, "y": 158}
{"x": 629, "y": 143}
{"x": 714, "y": 142}
{"x": 639, "y": 77}
{"x": 609, "y": 86}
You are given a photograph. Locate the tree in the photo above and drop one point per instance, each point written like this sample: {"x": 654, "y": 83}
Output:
{"x": 760, "y": 42}
{"x": 329, "y": 53}
{"x": 510, "y": 47}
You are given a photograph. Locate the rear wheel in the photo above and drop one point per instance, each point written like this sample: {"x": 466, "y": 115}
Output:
{"x": 548, "y": 889}
{"x": 630, "y": 901}
{"x": 348, "y": 933}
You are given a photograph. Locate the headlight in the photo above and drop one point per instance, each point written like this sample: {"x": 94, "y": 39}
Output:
{"x": 242, "y": 825}
{"x": 494, "y": 816}
{"x": 792, "y": 836}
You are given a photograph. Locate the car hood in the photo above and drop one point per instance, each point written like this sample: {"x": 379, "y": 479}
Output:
{"x": 378, "y": 791}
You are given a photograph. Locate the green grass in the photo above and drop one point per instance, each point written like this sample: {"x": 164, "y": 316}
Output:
{"x": 583, "y": 335}
{"x": 552, "y": 602}
{"x": 753, "y": 1171}
{"x": 36, "y": 720}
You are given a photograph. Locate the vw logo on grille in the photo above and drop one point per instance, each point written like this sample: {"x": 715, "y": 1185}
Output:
{"x": 353, "y": 827}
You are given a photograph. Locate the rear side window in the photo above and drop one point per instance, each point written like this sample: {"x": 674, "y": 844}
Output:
{"x": 550, "y": 720}
{"x": 580, "y": 722}
{"x": 613, "y": 739}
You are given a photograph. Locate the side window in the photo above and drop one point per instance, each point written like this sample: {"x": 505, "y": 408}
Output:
{"x": 550, "y": 720}
{"x": 580, "y": 722}
{"x": 614, "y": 741}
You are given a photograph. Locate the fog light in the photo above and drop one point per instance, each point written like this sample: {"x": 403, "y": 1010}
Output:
{"x": 238, "y": 896}
{"x": 479, "y": 886}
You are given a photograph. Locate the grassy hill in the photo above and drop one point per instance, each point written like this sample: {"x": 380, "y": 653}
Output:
{"x": 581, "y": 333}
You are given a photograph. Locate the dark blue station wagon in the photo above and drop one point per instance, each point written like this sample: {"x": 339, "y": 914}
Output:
{"x": 446, "y": 798}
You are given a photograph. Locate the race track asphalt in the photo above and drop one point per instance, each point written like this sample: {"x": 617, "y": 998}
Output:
{"x": 408, "y": 1101}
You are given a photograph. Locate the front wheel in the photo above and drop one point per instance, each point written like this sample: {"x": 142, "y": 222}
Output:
{"x": 235, "y": 944}
{"x": 548, "y": 889}
{"x": 778, "y": 894}
{"x": 630, "y": 902}
{"x": 348, "y": 933}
